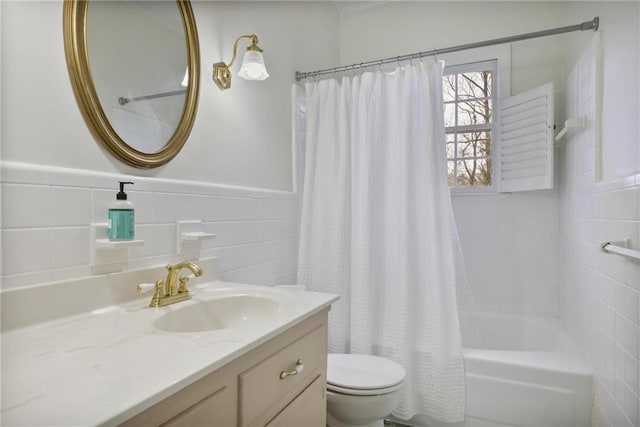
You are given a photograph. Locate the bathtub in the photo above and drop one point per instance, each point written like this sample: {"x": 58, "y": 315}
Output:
{"x": 521, "y": 372}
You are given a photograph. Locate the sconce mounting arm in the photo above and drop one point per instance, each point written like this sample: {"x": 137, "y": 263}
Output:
{"x": 221, "y": 73}
{"x": 253, "y": 46}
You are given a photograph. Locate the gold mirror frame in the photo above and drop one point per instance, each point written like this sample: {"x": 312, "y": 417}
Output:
{"x": 75, "y": 46}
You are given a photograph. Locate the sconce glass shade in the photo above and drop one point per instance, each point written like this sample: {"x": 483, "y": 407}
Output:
{"x": 253, "y": 66}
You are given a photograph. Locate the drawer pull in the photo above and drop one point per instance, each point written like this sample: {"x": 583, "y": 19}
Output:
{"x": 299, "y": 367}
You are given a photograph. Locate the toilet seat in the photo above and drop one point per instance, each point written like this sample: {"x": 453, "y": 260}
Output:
{"x": 368, "y": 392}
{"x": 363, "y": 375}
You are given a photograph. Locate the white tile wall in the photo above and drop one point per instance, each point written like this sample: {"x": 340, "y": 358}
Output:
{"x": 600, "y": 295}
{"x": 46, "y": 214}
{"x": 510, "y": 248}
{"x": 512, "y": 245}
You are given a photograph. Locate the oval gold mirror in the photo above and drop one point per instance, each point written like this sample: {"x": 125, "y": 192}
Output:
{"x": 135, "y": 70}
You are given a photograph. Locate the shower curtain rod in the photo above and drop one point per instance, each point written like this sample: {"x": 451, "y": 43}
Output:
{"x": 589, "y": 25}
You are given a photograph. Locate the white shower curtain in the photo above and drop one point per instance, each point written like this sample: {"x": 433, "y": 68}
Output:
{"x": 376, "y": 228}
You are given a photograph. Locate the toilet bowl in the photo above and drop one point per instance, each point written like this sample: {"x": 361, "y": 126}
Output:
{"x": 361, "y": 389}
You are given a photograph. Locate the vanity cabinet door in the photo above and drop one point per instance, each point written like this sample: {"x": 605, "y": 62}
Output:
{"x": 210, "y": 401}
{"x": 217, "y": 409}
{"x": 308, "y": 409}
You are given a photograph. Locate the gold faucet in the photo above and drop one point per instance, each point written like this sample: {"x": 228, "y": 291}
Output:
{"x": 173, "y": 289}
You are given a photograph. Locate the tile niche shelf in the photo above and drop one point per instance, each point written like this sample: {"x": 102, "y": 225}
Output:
{"x": 117, "y": 244}
{"x": 108, "y": 256}
{"x": 189, "y": 237}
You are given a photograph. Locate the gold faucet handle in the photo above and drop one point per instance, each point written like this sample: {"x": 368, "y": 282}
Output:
{"x": 145, "y": 287}
{"x": 158, "y": 286}
{"x": 159, "y": 293}
{"x": 183, "y": 283}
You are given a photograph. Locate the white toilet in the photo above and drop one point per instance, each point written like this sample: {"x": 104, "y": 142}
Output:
{"x": 361, "y": 389}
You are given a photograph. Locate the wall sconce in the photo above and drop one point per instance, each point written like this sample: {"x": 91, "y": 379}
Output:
{"x": 252, "y": 64}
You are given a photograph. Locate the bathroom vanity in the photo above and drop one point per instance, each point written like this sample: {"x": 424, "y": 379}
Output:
{"x": 254, "y": 388}
{"x": 91, "y": 352}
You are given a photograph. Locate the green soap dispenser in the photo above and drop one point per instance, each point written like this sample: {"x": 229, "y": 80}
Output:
{"x": 121, "y": 216}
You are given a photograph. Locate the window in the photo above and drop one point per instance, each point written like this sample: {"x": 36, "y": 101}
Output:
{"x": 469, "y": 93}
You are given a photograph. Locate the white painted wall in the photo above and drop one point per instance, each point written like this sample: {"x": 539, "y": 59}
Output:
{"x": 240, "y": 137}
{"x": 56, "y": 179}
{"x": 405, "y": 27}
{"x": 244, "y": 134}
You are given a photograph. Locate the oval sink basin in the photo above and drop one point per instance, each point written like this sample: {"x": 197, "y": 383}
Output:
{"x": 220, "y": 313}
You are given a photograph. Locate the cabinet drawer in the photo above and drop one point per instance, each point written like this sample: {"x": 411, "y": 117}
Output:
{"x": 261, "y": 388}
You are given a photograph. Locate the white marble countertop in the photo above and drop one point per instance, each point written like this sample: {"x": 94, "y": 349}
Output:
{"x": 105, "y": 366}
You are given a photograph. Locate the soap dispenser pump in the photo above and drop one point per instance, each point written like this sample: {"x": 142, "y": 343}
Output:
{"x": 121, "y": 216}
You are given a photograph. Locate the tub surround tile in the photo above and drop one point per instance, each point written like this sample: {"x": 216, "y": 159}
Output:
{"x": 608, "y": 285}
{"x": 627, "y": 302}
{"x": 629, "y": 401}
{"x": 594, "y": 282}
{"x": 253, "y": 209}
{"x": 267, "y": 209}
{"x": 490, "y": 226}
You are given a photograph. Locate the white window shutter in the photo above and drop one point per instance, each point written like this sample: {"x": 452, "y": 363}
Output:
{"x": 526, "y": 141}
